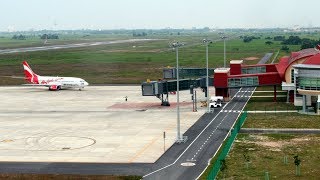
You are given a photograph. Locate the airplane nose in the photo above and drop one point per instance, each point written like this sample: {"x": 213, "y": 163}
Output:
{"x": 86, "y": 83}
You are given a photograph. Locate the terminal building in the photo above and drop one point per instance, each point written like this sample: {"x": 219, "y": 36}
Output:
{"x": 298, "y": 74}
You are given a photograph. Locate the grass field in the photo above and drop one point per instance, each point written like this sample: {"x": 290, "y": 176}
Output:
{"x": 267, "y": 103}
{"x": 267, "y": 153}
{"x": 282, "y": 120}
{"x": 130, "y": 63}
{"x": 269, "y": 106}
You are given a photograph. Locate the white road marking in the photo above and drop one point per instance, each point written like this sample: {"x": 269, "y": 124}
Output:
{"x": 220, "y": 123}
{"x": 226, "y": 135}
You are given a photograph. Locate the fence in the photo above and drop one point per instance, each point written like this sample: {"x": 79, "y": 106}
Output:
{"x": 226, "y": 147}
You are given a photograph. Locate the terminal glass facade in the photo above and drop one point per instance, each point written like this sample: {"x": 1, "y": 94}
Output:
{"x": 292, "y": 75}
{"x": 308, "y": 83}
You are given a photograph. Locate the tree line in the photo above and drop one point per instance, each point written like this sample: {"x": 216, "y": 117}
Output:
{"x": 19, "y": 37}
{"x": 304, "y": 42}
{"x": 43, "y": 36}
{"x": 296, "y": 40}
{"x": 247, "y": 39}
{"x": 49, "y": 36}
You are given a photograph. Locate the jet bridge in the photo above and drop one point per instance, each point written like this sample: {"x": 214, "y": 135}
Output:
{"x": 189, "y": 78}
{"x": 171, "y": 72}
{"x": 163, "y": 88}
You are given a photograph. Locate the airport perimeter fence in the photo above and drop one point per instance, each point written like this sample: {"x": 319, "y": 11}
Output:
{"x": 226, "y": 147}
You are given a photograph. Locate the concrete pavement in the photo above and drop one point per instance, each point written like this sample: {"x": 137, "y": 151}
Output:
{"x": 94, "y": 125}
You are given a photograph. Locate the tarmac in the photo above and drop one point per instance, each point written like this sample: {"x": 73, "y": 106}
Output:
{"x": 94, "y": 125}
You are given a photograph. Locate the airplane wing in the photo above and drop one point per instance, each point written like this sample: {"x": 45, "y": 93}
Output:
{"x": 51, "y": 86}
{"x": 46, "y": 85}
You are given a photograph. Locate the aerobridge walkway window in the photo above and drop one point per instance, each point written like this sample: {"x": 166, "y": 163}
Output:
{"x": 245, "y": 81}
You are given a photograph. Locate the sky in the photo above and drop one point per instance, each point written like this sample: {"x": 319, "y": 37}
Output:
{"x": 17, "y": 15}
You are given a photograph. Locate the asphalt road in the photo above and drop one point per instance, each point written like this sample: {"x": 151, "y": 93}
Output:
{"x": 265, "y": 58}
{"x": 194, "y": 159}
{"x": 66, "y": 46}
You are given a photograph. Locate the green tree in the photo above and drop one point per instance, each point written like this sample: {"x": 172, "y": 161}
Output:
{"x": 246, "y": 158}
{"x": 49, "y": 36}
{"x": 285, "y": 48}
{"x": 297, "y": 162}
{"x": 268, "y": 42}
{"x": 44, "y": 36}
{"x": 292, "y": 40}
{"x": 19, "y": 37}
{"x": 279, "y": 38}
{"x": 223, "y": 167}
{"x": 309, "y": 43}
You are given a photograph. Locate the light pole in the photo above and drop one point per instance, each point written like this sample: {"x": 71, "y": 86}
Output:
{"x": 224, "y": 50}
{"x": 207, "y": 42}
{"x": 176, "y": 45}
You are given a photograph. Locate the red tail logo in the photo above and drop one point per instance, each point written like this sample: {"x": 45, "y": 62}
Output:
{"x": 30, "y": 76}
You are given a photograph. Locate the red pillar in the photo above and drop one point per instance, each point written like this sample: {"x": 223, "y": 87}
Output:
{"x": 224, "y": 92}
{"x": 291, "y": 99}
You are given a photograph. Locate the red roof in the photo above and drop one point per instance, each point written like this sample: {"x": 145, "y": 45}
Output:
{"x": 302, "y": 54}
{"x": 313, "y": 60}
{"x": 282, "y": 65}
{"x": 286, "y": 61}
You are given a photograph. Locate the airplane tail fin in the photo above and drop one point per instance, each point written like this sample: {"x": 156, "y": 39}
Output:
{"x": 30, "y": 76}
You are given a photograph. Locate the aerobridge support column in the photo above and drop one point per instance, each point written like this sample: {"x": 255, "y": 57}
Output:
{"x": 274, "y": 93}
{"x": 304, "y": 103}
{"x": 224, "y": 92}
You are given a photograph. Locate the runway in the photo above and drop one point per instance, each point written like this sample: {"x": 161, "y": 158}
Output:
{"x": 66, "y": 46}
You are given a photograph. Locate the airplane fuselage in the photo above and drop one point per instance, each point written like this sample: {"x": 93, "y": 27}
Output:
{"x": 54, "y": 83}
{"x": 62, "y": 82}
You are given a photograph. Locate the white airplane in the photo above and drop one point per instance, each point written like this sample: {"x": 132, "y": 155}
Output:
{"x": 54, "y": 83}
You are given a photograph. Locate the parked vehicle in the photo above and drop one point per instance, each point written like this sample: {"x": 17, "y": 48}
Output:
{"x": 215, "y": 101}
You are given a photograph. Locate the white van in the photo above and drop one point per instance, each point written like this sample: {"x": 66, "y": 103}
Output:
{"x": 215, "y": 101}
